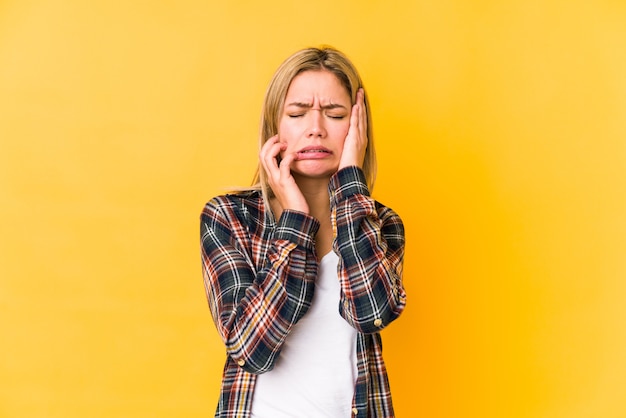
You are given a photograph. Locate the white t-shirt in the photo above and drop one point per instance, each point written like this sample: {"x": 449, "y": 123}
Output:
{"x": 316, "y": 371}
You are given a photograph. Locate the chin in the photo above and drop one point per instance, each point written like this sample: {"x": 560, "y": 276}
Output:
{"x": 315, "y": 174}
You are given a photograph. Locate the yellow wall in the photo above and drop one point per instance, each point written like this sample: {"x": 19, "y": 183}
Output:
{"x": 501, "y": 131}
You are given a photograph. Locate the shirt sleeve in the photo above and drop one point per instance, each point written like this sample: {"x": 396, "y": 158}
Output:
{"x": 369, "y": 238}
{"x": 254, "y": 309}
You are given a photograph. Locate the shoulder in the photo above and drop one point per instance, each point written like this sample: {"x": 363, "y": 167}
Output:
{"x": 387, "y": 214}
{"x": 382, "y": 208}
{"x": 246, "y": 198}
{"x": 235, "y": 205}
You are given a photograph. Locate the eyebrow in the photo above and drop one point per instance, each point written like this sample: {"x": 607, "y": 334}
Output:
{"x": 309, "y": 105}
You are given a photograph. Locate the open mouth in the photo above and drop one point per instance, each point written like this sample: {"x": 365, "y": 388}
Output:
{"x": 312, "y": 151}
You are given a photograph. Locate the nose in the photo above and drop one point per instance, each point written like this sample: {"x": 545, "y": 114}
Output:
{"x": 316, "y": 128}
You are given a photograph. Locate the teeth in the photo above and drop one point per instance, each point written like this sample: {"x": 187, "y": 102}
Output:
{"x": 314, "y": 150}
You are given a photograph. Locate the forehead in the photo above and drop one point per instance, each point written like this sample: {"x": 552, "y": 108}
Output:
{"x": 317, "y": 84}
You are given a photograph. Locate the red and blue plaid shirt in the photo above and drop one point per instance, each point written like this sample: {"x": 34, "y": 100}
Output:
{"x": 259, "y": 275}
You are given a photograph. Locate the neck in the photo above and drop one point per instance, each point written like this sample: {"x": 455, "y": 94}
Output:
{"x": 315, "y": 191}
{"x": 316, "y": 195}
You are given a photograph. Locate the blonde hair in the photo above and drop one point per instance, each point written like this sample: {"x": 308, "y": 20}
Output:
{"x": 310, "y": 59}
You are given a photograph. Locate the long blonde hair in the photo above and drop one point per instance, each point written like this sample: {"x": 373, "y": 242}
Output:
{"x": 310, "y": 59}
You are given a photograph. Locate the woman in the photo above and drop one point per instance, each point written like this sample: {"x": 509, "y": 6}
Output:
{"x": 304, "y": 270}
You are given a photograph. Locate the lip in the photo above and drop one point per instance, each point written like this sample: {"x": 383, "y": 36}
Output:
{"x": 313, "y": 152}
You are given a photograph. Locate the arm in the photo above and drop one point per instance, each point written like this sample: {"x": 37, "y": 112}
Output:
{"x": 255, "y": 310}
{"x": 370, "y": 239}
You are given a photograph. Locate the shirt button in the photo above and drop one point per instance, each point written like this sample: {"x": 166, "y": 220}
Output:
{"x": 378, "y": 322}
{"x": 355, "y": 411}
{"x": 241, "y": 362}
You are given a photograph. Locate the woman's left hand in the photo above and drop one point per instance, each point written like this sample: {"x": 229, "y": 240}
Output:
{"x": 356, "y": 141}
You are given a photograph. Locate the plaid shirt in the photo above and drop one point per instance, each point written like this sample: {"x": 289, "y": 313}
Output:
{"x": 259, "y": 276}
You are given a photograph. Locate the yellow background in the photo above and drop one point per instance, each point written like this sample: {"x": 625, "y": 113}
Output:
{"x": 501, "y": 131}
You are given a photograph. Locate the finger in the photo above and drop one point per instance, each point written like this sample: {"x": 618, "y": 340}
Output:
{"x": 265, "y": 149}
{"x": 269, "y": 155}
{"x": 354, "y": 117}
{"x": 285, "y": 165}
{"x": 362, "y": 112}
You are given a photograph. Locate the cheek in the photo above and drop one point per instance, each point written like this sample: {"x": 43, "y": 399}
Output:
{"x": 341, "y": 132}
{"x": 286, "y": 133}
{"x": 287, "y": 129}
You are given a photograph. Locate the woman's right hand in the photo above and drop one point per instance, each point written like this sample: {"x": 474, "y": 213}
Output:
{"x": 279, "y": 175}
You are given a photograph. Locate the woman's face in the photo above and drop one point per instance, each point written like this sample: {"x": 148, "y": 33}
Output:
{"x": 314, "y": 123}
